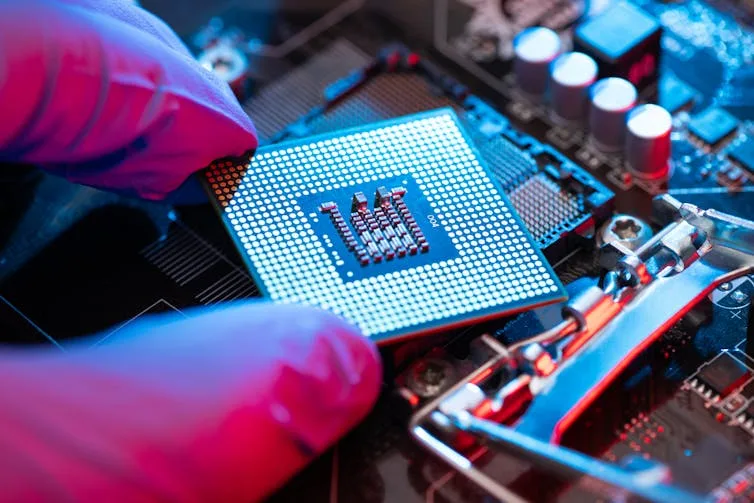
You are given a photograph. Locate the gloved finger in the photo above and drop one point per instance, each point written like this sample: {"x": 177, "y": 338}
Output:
{"x": 222, "y": 406}
{"x": 102, "y": 102}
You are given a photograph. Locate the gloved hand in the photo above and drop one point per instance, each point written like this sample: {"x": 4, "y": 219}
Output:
{"x": 222, "y": 406}
{"x": 105, "y": 94}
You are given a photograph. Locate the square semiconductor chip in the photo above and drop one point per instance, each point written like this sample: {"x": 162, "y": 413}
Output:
{"x": 397, "y": 226}
{"x": 712, "y": 125}
{"x": 743, "y": 154}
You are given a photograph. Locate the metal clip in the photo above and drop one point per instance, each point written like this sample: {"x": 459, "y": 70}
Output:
{"x": 603, "y": 330}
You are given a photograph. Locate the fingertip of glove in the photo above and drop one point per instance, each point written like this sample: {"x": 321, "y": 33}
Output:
{"x": 356, "y": 351}
{"x": 354, "y": 359}
{"x": 360, "y": 362}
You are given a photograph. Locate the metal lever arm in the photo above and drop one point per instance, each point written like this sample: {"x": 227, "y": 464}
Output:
{"x": 646, "y": 292}
{"x": 725, "y": 252}
{"x": 644, "y": 484}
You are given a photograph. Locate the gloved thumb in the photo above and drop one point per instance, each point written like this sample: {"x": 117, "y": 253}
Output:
{"x": 223, "y": 405}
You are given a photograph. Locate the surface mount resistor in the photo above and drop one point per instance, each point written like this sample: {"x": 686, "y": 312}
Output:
{"x": 376, "y": 254}
{"x": 361, "y": 228}
{"x": 371, "y": 220}
{"x": 384, "y": 246}
{"x": 327, "y": 207}
{"x": 414, "y": 228}
{"x": 382, "y": 217}
{"x": 362, "y": 255}
{"x": 396, "y": 243}
{"x": 366, "y": 237}
{"x": 358, "y": 223}
{"x": 394, "y": 217}
{"x": 351, "y": 243}
{"x": 423, "y": 246}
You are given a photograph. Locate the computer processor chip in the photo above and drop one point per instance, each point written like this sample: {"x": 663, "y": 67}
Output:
{"x": 397, "y": 226}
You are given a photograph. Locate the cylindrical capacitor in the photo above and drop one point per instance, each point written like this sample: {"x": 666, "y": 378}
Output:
{"x": 571, "y": 76}
{"x": 648, "y": 129}
{"x": 535, "y": 49}
{"x": 611, "y": 100}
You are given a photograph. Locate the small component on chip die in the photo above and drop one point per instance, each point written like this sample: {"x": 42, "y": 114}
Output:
{"x": 397, "y": 226}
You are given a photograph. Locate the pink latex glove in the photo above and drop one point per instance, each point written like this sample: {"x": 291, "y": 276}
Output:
{"x": 223, "y": 406}
{"x": 105, "y": 94}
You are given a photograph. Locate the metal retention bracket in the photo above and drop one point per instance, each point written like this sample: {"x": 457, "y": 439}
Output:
{"x": 604, "y": 330}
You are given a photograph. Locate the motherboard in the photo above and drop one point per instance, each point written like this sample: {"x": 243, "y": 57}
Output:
{"x": 497, "y": 192}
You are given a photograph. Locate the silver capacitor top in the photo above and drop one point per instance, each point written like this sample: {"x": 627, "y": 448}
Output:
{"x": 534, "y": 50}
{"x": 648, "y": 129}
{"x": 611, "y": 100}
{"x": 571, "y": 76}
